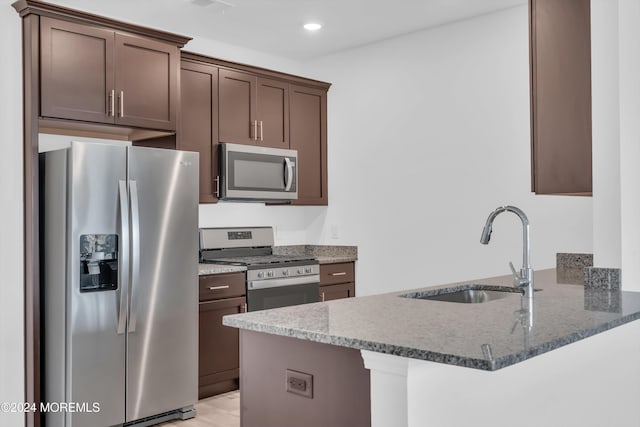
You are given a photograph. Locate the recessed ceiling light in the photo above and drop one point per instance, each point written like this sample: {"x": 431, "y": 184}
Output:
{"x": 312, "y": 26}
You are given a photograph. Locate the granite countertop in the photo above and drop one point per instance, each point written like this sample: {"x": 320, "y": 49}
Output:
{"x": 335, "y": 259}
{"x": 488, "y": 336}
{"x": 205, "y": 269}
{"x": 325, "y": 254}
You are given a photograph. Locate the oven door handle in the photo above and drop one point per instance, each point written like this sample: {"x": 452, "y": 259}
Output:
{"x": 277, "y": 283}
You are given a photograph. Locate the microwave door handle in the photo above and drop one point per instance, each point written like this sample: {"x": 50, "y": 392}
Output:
{"x": 288, "y": 176}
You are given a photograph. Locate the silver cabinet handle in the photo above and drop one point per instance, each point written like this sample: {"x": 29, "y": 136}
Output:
{"x": 341, "y": 273}
{"x": 135, "y": 253}
{"x": 322, "y": 297}
{"x": 112, "y": 103}
{"x": 261, "y": 136}
{"x": 245, "y": 307}
{"x": 215, "y": 288}
{"x": 255, "y": 130}
{"x": 288, "y": 177}
{"x": 121, "y": 97}
{"x": 123, "y": 268}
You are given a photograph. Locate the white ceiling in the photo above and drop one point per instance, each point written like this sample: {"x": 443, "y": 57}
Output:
{"x": 275, "y": 26}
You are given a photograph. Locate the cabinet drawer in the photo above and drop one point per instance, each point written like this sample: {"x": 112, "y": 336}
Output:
{"x": 336, "y": 273}
{"x": 343, "y": 290}
{"x": 218, "y": 286}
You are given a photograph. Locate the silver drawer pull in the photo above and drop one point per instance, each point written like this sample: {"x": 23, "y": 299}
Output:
{"x": 341, "y": 273}
{"x": 215, "y": 288}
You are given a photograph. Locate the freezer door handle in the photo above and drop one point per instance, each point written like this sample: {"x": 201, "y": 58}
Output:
{"x": 123, "y": 270}
{"x": 135, "y": 253}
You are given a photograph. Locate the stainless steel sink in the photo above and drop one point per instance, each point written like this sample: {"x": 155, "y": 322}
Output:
{"x": 474, "y": 294}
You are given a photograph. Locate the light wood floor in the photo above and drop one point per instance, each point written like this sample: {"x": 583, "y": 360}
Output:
{"x": 217, "y": 411}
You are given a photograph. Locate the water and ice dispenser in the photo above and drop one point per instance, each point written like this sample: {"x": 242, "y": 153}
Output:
{"x": 98, "y": 262}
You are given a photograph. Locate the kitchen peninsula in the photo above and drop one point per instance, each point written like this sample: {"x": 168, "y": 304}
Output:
{"x": 566, "y": 360}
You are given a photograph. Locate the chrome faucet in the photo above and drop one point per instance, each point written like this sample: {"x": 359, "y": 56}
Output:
{"x": 524, "y": 280}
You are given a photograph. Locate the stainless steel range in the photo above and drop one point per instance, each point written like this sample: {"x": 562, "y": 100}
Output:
{"x": 272, "y": 280}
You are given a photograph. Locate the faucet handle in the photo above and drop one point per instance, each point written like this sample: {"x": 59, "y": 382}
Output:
{"x": 513, "y": 270}
{"x": 517, "y": 278}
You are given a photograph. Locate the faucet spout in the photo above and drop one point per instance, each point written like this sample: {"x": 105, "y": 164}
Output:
{"x": 525, "y": 279}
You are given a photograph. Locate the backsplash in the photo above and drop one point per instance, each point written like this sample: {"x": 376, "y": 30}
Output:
{"x": 571, "y": 260}
{"x": 576, "y": 268}
{"x": 325, "y": 254}
{"x": 602, "y": 278}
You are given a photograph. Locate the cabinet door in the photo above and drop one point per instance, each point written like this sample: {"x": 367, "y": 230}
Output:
{"x": 561, "y": 96}
{"x": 76, "y": 71}
{"x": 218, "y": 361}
{"x": 199, "y": 122}
{"x": 273, "y": 113}
{"x": 237, "y": 95}
{"x": 331, "y": 292}
{"x": 308, "y": 123}
{"x": 146, "y": 82}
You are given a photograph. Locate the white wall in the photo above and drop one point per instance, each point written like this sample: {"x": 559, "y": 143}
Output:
{"x": 629, "y": 36}
{"x": 428, "y": 133}
{"x": 242, "y": 55}
{"x": 616, "y": 133}
{"x": 11, "y": 242}
{"x": 606, "y": 133}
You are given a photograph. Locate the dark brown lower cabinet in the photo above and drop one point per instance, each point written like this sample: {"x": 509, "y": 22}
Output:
{"x": 218, "y": 364}
{"x": 337, "y": 281}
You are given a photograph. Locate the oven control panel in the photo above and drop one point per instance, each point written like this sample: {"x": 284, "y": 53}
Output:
{"x": 283, "y": 272}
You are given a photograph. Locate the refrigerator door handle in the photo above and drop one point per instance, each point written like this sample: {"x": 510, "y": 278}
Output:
{"x": 135, "y": 253}
{"x": 123, "y": 270}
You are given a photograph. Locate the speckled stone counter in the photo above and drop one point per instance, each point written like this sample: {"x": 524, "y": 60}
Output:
{"x": 325, "y": 254}
{"x": 486, "y": 336}
{"x": 204, "y": 269}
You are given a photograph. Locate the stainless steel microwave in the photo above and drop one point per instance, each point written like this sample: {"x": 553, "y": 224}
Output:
{"x": 250, "y": 173}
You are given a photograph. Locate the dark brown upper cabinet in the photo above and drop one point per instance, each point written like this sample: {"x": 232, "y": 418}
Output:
{"x": 560, "y": 58}
{"x": 224, "y": 101}
{"x": 95, "y": 74}
{"x": 253, "y": 110}
{"x": 309, "y": 137}
{"x": 199, "y": 122}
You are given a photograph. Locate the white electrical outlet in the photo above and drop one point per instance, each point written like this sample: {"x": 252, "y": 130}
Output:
{"x": 299, "y": 383}
{"x": 335, "y": 231}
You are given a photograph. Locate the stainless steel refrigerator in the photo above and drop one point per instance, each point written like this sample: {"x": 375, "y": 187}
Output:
{"x": 119, "y": 284}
